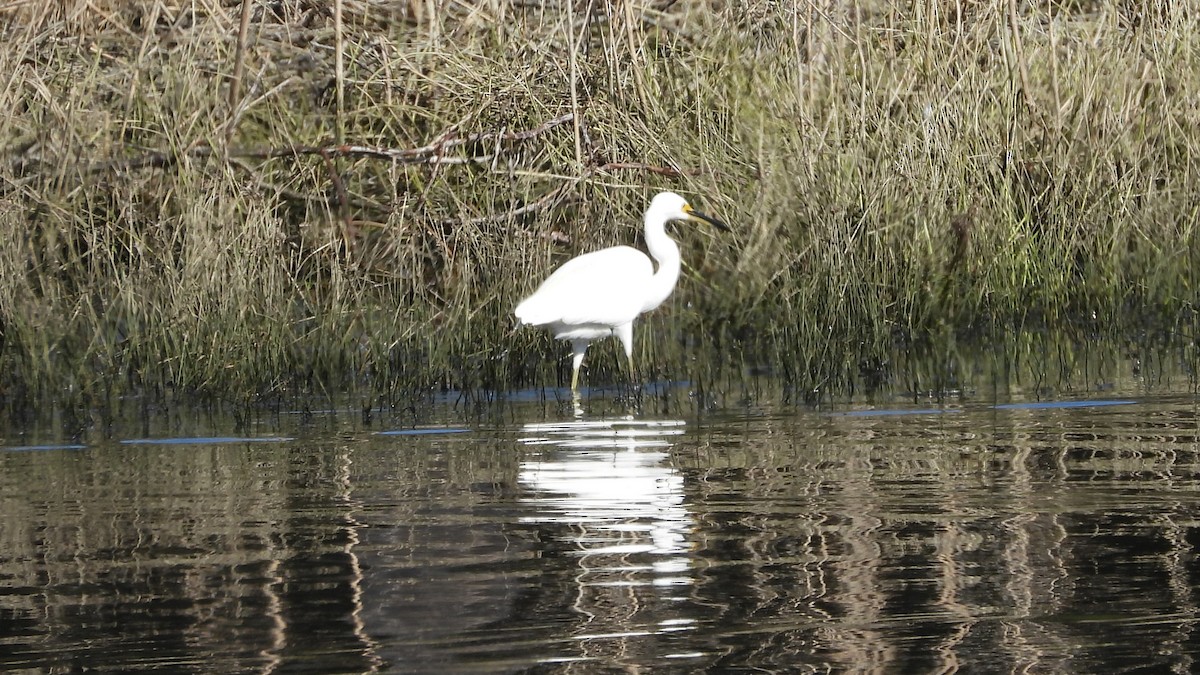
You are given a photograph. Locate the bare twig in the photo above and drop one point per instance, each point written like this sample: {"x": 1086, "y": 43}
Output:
{"x": 1019, "y": 53}
{"x": 1058, "y": 109}
{"x": 252, "y": 99}
{"x": 572, "y": 61}
{"x": 339, "y": 68}
{"x": 340, "y": 189}
{"x": 239, "y": 62}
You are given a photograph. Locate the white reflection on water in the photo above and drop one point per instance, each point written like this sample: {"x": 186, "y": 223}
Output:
{"x": 619, "y": 502}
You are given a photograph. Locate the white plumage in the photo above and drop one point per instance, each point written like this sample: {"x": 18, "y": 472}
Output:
{"x": 600, "y": 293}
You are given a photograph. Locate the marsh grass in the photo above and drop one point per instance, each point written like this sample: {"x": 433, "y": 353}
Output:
{"x": 355, "y": 202}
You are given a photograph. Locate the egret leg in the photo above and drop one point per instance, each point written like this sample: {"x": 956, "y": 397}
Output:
{"x": 624, "y": 333}
{"x": 578, "y": 347}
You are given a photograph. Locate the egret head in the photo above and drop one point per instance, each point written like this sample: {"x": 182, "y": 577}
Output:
{"x": 668, "y": 206}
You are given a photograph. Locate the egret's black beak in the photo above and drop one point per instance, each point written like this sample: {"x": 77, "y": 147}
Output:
{"x": 706, "y": 218}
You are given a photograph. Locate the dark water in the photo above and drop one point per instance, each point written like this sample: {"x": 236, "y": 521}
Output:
{"x": 1037, "y": 537}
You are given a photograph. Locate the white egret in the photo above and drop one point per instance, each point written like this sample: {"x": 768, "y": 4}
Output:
{"x": 600, "y": 293}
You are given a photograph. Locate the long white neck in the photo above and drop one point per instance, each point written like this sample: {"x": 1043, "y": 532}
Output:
{"x": 666, "y": 252}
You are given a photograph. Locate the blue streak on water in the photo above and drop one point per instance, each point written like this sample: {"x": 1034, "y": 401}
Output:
{"x": 1049, "y": 405}
{"x": 1061, "y": 404}
{"x": 423, "y": 432}
{"x": 40, "y": 448}
{"x": 205, "y": 440}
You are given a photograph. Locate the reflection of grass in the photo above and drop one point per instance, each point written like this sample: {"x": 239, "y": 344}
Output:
{"x": 890, "y": 175}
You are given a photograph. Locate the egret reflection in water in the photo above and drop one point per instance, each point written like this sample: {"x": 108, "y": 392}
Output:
{"x": 611, "y": 480}
{"x": 606, "y": 493}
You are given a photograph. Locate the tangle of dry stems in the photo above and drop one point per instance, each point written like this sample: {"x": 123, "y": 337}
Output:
{"x": 436, "y": 152}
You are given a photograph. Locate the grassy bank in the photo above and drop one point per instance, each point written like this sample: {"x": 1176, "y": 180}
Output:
{"x": 357, "y": 200}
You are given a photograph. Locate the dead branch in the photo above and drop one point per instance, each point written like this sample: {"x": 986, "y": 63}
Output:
{"x": 432, "y": 153}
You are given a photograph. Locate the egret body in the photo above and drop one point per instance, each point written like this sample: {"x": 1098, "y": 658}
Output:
{"x": 600, "y": 293}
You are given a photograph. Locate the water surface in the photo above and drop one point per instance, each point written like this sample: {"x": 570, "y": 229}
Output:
{"x": 1032, "y": 536}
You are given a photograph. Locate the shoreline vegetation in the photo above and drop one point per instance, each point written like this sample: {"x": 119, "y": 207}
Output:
{"x": 259, "y": 200}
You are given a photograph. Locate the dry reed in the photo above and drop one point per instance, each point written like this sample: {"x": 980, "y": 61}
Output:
{"x": 268, "y": 199}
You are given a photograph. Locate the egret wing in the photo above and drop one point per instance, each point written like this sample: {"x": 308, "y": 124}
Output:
{"x": 604, "y": 287}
